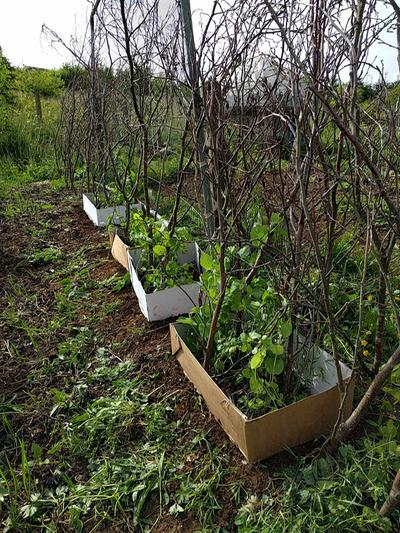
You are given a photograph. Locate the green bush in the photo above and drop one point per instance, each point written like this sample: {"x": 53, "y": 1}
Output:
{"x": 13, "y": 141}
{"x": 46, "y": 170}
{"x": 168, "y": 169}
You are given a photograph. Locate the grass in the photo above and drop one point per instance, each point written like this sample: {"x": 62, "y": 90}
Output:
{"x": 27, "y": 147}
{"x": 96, "y": 436}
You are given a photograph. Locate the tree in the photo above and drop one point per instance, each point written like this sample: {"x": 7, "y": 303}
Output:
{"x": 40, "y": 83}
{"x": 6, "y": 80}
{"x": 73, "y": 76}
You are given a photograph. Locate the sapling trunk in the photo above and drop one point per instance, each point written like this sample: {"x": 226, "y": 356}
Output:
{"x": 287, "y": 376}
{"x": 393, "y": 500}
{"x": 396, "y": 9}
{"x": 223, "y": 242}
{"x": 174, "y": 215}
{"x": 294, "y": 303}
{"x": 216, "y": 313}
{"x": 138, "y": 111}
{"x": 384, "y": 289}
{"x": 356, "y": 349}
{"x": 93, "y": 103}
{"x": 145, "y": 155}
{"x": 198, "y": 127}
{"x": 127, "y": 219}
{"x": 181, "y": 168}
{"x": 303, "y": 176}
{"x": 358, "y": 414}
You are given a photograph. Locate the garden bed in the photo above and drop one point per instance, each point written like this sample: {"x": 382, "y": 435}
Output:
{"x": 169, "y": 302}
{"x": 271, "y": 433}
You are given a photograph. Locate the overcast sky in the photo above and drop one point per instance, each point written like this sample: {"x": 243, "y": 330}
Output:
{"x": 21, "y": 22}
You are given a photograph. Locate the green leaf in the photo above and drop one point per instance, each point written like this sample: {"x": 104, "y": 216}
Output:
{"x": 175, "y": 509}
{"x": 121, "y": 282}
{"x": 247, "y": 373}
{"x": 3, "y": 493}
{"x": 257, "y": 359}
{"x": 206, "y": 262}
{"x": 395, "y": 377}
{"x": 80, "y": 418}
{"x": 395, "y": 393}
{"x": 37, "y": 451}
{"x": 159, "y": 250}
{"x": 274, "y": 365}
{"x": 244, "y": 252}
{"x": 234, "y": 297}
{"x": 256, "y": 385}
{"x": 28, "y": 510}
{"x": 59, "y": 396}
{"x": 259, "y": 233}
{"x": 286, "y": 329}
{"x": 186, "y": 320}
{"x": 277, "y": 349}
{"x": 275, "y": 220}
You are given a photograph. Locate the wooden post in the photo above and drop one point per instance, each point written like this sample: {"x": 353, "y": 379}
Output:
{"x": 187, "y": 28}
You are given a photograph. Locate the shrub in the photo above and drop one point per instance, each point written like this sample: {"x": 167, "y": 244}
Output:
{"x": 13, "y": 142}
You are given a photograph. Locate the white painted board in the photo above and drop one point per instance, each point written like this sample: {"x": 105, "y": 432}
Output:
{"x": 100, "y": 217}
{"x": 169, "y": 302}
{"x": 317, "y": 366}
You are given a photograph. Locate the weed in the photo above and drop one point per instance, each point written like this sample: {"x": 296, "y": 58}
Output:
{"x": 20, "y": 204}
{"x": 197, "y": 489}
{"x": 138, "y": 331}
{"x": 329, "y": 495}
{"x": 116, "y": 283}
{"x": 44, "y": 256}
{"x": 73, "y": 351}
{"x": 13, "y": 318}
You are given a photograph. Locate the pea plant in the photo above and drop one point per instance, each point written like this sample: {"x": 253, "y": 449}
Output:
{"x": 159, "y": 265}
{"x": 254, "y": 324}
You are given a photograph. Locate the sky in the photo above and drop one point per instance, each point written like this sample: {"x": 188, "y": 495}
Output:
{"x": 20, "y": 29}
{"x": 21, "y": 22}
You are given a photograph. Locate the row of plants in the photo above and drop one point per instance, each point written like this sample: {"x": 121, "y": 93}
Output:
{"x": 295, "y": 291}
{"x": 110, "y": 431}
{"x": 170, "y": 277}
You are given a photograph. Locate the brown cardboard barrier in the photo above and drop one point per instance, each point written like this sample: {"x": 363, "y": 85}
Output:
{"x": 273, "y": 432}
{"x": 119, "y": 249}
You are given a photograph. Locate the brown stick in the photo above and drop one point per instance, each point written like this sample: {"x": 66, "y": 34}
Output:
{"x": 380, "y": 323}
{"x": 376, "y": 385}
{"x": 393, "y": 499}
